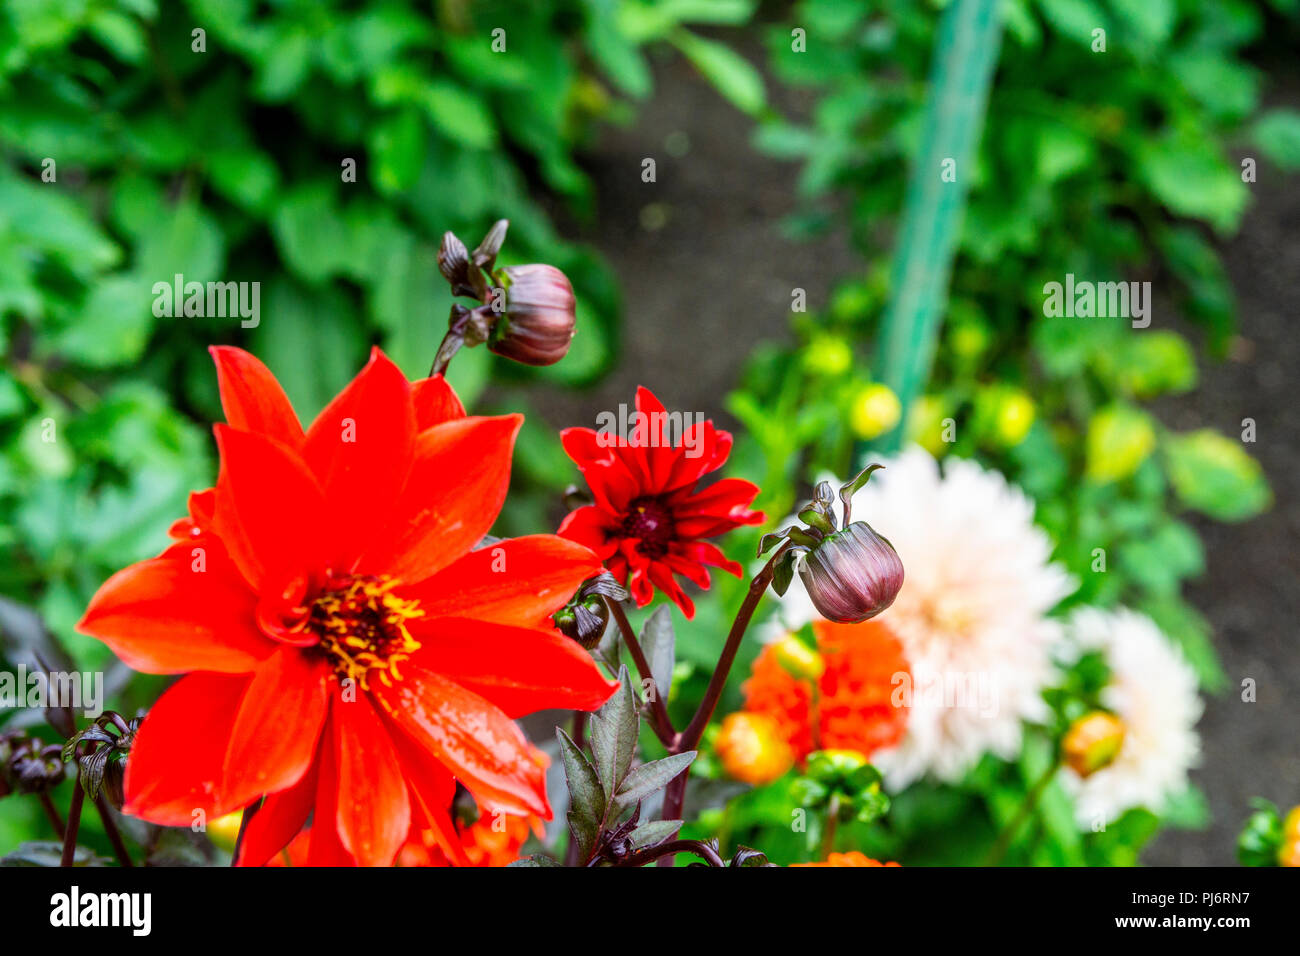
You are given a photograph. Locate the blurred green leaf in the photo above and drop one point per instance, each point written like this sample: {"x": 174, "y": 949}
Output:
{"x": 1213, "y": 474}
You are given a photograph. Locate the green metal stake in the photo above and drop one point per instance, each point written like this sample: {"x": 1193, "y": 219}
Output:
{"x": 965, "y": 54}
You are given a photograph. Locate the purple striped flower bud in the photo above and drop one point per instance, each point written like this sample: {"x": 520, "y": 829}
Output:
{"x": 852, "y": 575}
{"x": 850, "y": 572}
{"x": 536, "y": 325}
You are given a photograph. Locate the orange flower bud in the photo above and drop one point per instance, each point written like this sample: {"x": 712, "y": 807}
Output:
{"x": 751, "y": 748}
{"x": 1093, "y": 742}
{"x": 1291, "y": 825}
{"x": 798, "y": 659}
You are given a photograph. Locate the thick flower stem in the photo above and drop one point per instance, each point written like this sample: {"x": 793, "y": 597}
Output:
{"x": 832, "y": 821}
{"x": 663, "y": 726}
{"x": 688, "y": 739}
{"x": 52, "y": 812}
{"x": 111, "y": 831}
{"x": 74, "y": 823}
{"x": 667, "y": 850}
{"x": 1027, "y": 806}
{"x": 451, "y": 343}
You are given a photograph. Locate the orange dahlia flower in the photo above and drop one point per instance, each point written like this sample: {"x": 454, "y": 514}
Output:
{"x": 493, "y": 840}
{"x": 852, "y": 858}
{"x": 850, "y": 706}
{"x": 348, "y": 652}
{"x": 649, "y": 521}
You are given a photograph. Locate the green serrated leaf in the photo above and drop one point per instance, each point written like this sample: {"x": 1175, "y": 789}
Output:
{"x": 614, "y": 731}
{"x": 654, "y": 832}
{"x": 652, "y": 776}
{"x": 587, "y": 800}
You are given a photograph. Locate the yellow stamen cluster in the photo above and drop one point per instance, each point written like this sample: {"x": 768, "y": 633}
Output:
{"x": 363, "y": 628}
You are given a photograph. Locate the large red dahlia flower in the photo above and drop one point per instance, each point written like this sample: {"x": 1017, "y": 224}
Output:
{"x": 648, "y": 520}
{"x": 347, "y": 650}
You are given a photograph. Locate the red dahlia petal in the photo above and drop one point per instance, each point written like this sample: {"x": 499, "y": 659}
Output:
{"x": 471, "y": 737}
{"x": 164, "y": 616}
{"x": 325, "y": 848}
{"x": 519, "y": 581}
{"x": 663, "y": 579}
{"x": 709, "y": 446}
{"x": 592, "y": 528}
{"x": 273, "y": 740}
{"x": 638, "y": 565}
{"x": 725, "y": 498}
{"x": 603, "y": 467}
{"x": 251, "y": 397}
{"x": 432, "y": 789}
{"x": 270, "y": 511}
{"x": 435, "y": 402}
{"x": 584, "y": 446}
{"x": 520, "y": 670}
{"x": 180, "y": 749}
{"x": 688, "y": 568}
{"x": 360, "y": 449}
{"x": 454, "y": 493}
{"x": 280, "y": 819}
{"x": 373, "y": 814}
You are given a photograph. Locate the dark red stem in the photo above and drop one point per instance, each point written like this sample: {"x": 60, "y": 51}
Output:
{"x": 74, "y": 822}
{"x": 663, "y": 726}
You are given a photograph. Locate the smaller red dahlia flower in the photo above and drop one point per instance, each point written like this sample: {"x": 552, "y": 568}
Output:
{"x": 649, "y": 521}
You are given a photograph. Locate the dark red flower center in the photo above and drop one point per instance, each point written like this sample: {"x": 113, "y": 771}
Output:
{"x": 650, "y": 520}
{"x": 363, "y": 631}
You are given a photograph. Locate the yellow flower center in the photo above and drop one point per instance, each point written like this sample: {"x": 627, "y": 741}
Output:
{"x": 363, "y": 631}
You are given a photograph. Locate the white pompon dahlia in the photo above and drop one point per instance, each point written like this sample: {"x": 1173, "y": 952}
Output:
{"x": 1153, "y": 693}
{"x": 972, "y": 612}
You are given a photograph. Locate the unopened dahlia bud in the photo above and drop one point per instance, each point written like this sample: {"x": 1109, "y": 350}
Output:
{"x": 536, "y": 324}
{"x": 751, "y": 748}
{"x": 584, "y": 621}
{"x": 1093, "y": 742}
{"x": 34, "y": 767}
{"x": 851, "y": 574}
{"x": 8, "y": 745}
{"x": 586, "y": 615}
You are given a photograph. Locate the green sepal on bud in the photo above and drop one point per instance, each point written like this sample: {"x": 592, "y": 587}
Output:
{"x": 586, "y": 615}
